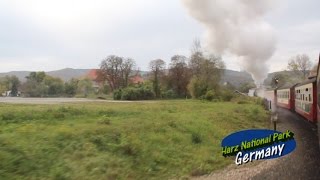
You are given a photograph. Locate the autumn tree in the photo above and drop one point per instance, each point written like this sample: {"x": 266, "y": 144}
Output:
{"x": 157, "y": 70}
{"x": 39, "y": 84}
{"x": 314, "y": 69}
{"x": 196, "y": 58}
{"x": 126, "y": 69}
{"x": 116, "y": 71}
{"x": 10, "y": 83}
{"x": 71, "y": 86}
{"x": 179, "y": 75}
{"x": 206, "y": 72}
{"x": 85, "y": 86}
{"x": 300, "y": 63}
{"x": 55, "y": 85}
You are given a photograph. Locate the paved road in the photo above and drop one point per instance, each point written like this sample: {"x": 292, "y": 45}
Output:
{"x": 19, "y": 100}
{"x": 302, "y": 163}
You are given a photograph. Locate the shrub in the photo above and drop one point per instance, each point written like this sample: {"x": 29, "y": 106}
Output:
{"x": 134, "y": 93}
{"x": 209, "y": 95}
{"x": 105, "y": 121}
{"x": 243, "y": 102}
{"x": 196, "y": 138}
{"x": 7, "y": 116}
{"x": 130, "y": 94}
{"x": 58, "y": 115}
{"x": 169, "y": 94}
{"x": 227, "y": 95}
{"x": 117, "y": 94}
{"x": 197, "y": 88}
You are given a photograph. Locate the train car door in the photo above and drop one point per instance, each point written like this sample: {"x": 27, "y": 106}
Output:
{"x": 318, "y": 98}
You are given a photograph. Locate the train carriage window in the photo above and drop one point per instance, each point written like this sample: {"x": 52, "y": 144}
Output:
{"x": 310, "y": 97}
{"x": 303, "y": 97}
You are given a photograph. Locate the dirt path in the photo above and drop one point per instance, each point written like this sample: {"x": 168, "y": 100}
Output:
{"x": 303, "y": 163}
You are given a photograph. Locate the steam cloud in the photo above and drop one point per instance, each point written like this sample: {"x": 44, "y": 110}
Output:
{"x": 238, "y": 27}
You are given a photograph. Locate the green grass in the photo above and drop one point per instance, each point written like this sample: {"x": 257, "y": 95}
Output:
{"x": 138, "y": 140}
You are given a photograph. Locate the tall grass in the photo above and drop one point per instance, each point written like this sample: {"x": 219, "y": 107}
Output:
{"x": 150, "y": 140}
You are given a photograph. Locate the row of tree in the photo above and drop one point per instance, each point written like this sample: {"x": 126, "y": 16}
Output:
{"x": 39, "y": 84}
{"x": 10, "y": 83}
{"x": 194, "y": 76}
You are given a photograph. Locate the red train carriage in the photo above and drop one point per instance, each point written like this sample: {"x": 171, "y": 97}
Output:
{"x": 306, "y": 99}
{"x": 283, "y": 97}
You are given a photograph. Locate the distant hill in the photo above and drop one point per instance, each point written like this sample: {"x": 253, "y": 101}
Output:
{"x": 290, "y": 77}
{"x": 20, "y": 74}
{"x": 68, "y": 73}
{"x": 236, "y": 78}
{"x": 65, "y": 74}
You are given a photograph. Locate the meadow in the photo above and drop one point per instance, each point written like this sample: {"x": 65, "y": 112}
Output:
{"x": 135, "y": 140}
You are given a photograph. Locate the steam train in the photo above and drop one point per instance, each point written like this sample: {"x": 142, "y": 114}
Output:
{"x": 302, "y": 98}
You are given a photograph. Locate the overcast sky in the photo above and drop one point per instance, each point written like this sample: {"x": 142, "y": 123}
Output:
{"x": 54, "y": 34}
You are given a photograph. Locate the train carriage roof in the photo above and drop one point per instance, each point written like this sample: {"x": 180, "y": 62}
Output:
{"x": 311, "y": 80}
{"x": 287, "y": 86}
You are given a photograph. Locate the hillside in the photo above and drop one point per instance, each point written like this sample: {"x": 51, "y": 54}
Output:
{"x": 236, "y": 78}
{"x": 65, "y": 74}
{"x": 287, "y": 77}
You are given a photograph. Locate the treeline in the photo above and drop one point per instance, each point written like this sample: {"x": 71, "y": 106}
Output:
{"x": 39, "y": 84}
{"x": 197, "y": 76}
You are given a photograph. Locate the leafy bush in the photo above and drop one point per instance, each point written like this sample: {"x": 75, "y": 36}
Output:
{"x": 243, "y": 102}
{"x": 134, "y": 93}
{"x": 169, "y": 94}
{"x": 227, "y": 95}
{"x": 209, "y": 95}
{"x": 8, "y": 116}
{"x": 130, "y": 93}
{"x": 117, "y": 94}
{"x": 196, "y": 138}
{"x": 197, "y": 88}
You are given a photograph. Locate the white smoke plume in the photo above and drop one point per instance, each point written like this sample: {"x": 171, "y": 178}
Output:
{"x": 238, "y": 27}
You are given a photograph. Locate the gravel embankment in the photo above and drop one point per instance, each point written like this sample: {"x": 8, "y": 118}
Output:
{"x": 302, "y": 163}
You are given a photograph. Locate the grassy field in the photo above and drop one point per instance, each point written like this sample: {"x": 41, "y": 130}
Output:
{"x": 138, "y": 140}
